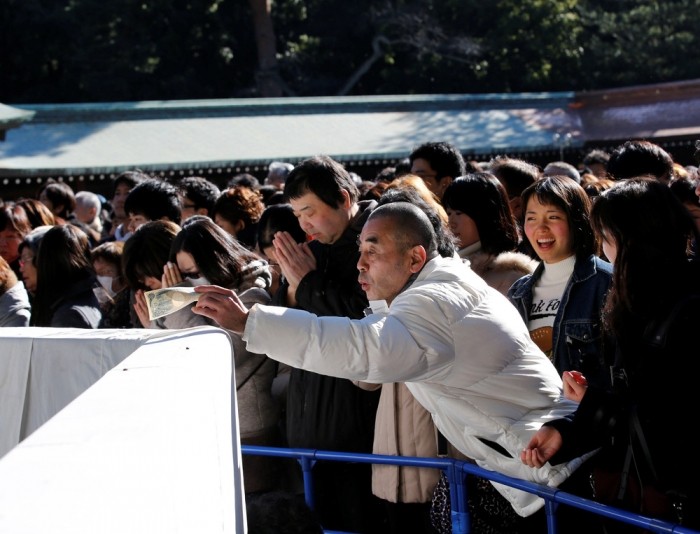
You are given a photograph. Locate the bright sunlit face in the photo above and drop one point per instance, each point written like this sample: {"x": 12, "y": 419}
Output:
{"x": 547, "y": 230}
{"x": 384, "y": 267}
{"x": 84, "y": 213}
{"x": 319, "y": 220}
{"x": 463, "y": 227}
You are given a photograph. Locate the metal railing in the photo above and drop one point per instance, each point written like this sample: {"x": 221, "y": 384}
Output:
{"x": 456, "y": 471}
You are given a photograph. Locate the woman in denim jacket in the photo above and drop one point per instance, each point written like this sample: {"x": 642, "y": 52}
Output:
{"x": 644, "y": 422}
{"x": 561, "y": 301}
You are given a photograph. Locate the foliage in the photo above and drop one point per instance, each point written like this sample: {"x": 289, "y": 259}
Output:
{"x": 126, "y": 50}
{"x": 631, "y": 42}
{"x": 91, "y": 50}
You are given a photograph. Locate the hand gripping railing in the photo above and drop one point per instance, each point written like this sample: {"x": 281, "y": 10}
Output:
{"x": 456, "y": 471}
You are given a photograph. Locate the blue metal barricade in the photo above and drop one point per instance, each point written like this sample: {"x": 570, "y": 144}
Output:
{"x": 456, "y": 471}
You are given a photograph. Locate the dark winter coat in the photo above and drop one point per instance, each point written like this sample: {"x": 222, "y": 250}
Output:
{"x": 326, "y": 412}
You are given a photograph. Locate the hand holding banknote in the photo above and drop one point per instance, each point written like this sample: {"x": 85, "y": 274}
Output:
{"x": 223, "y": 306}
{"x": 167, "y": 300}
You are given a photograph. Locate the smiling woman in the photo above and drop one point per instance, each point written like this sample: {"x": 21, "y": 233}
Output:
{"x": 561, "y": 301}
{"x": 652, "y": 311}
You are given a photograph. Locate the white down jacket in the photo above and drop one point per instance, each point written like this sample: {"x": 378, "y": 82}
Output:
{"x": 463, "y": 351}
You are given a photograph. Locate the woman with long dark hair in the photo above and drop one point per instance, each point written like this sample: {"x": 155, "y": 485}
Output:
{"x": 204, "y": 249}
{"x": 66, "y": 281}
{"x": 561, "y": 300}
{"x": 204, "y": 253}
{"x": 643, "y": 420}
{"x": 481, "y": 219}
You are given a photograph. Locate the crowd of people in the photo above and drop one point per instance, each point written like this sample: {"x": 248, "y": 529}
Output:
{"x": 534, "y": 321}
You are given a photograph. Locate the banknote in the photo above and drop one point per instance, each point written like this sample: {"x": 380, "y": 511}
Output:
{"x": 162, "y": 302}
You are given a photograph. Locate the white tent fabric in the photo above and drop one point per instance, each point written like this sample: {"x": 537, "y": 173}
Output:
{"x": 151, "y": 447}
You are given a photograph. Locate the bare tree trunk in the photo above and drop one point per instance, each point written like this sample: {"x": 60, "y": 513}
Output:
{"x": 377, "y": 53}
{"x": 267, "y": 78}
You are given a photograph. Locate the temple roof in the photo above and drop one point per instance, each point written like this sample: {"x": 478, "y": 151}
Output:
{"x": 12, "y": 118}
{"x": 237, "y": 134}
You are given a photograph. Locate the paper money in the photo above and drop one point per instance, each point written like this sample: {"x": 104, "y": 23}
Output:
{"x": 162, "y": 302}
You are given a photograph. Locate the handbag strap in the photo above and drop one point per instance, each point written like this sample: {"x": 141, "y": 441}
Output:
{"x": 678, "y": 499}
{"x": 636, "y": 431}
{"x": 624, "y": 478}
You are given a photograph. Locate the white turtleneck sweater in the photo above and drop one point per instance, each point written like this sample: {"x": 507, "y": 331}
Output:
{"x": 546, "y": 298}
{"x": 547, "y": 292}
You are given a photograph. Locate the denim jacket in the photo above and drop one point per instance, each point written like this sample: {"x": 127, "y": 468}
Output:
{"x": 577, "y": 338}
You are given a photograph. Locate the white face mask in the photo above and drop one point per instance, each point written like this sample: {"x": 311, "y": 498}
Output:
{"x": 106, "y": 282}
{"x": 201, "y": 281}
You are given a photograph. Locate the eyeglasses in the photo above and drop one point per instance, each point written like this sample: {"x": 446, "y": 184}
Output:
{"x": 24, "y": 261}
{"x": 189, "y": 206}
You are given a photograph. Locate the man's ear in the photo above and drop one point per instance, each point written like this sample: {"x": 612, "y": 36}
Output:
{"x": 347, "y": 203}
{"x": 418, "y": 258}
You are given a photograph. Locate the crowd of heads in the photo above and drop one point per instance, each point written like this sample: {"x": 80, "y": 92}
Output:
{"x": 87, "y": 261}
{"x": 473, "y": 201}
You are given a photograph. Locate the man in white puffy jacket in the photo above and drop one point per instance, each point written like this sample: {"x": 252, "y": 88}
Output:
{"x": 460, "y": 346}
